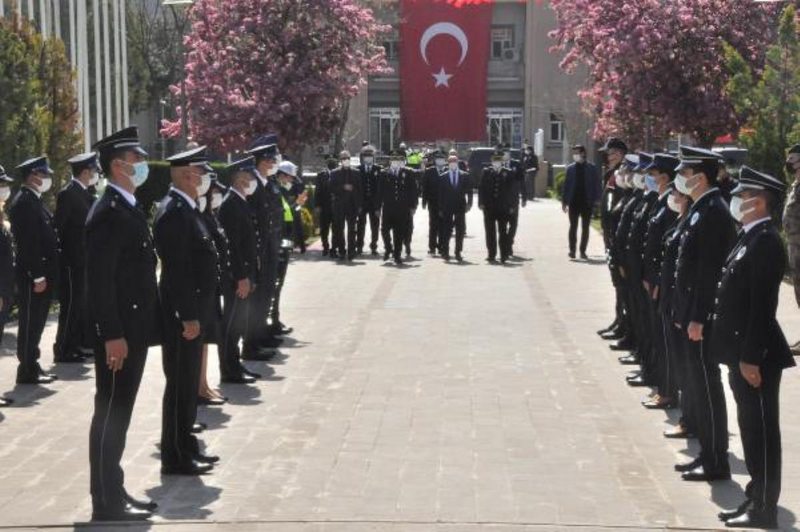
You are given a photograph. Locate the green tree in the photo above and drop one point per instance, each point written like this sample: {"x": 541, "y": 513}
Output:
{"x": 38, "y": 109}
{"x": 769, "y": 101}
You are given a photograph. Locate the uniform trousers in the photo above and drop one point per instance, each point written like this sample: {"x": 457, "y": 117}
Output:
{"x": 33, "y": 309}
{"x": 374, "y": 218}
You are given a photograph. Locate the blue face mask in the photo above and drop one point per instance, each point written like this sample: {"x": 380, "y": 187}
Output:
{"x": 140, "y": 172}
{"x": 650, "y": 183}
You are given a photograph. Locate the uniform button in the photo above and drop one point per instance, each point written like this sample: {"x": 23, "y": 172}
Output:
{"x": 135, "y": 306}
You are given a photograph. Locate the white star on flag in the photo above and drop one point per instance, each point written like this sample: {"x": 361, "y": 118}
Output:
{"x": 442, "y": 78}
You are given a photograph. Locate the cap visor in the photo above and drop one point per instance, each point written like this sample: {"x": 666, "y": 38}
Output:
{"x": 686, "y": 163}
{"x": 140, "y": 151}
{"x": 743, "y": 187}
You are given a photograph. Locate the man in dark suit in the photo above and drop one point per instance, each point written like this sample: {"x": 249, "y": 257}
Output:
{"x": 496, "y": 200}
{"x": 582, "y": 190}
{"x": 188, "y": 285}
{"x": 517, "y": 194}
{"x": 323, "y": 207}
{"x": 72, "y": 208}
{"x": 347, "y": 198}
{"x": 430, "y": 198}
{"x": 398, "y": 200}
{"x": 530, "y": 163}
{"x": 454, "y": 201}
{"x": 705, "y": 242}
{"x": 747, "y": 337}
{"x": 36, "y": 267}
{"x": 371, "y": 178}
{"x": 123, "y": 304}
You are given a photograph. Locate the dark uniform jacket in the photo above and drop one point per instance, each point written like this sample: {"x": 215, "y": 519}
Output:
{"x": 496, "y": 191}
{"x": 347, "y": 195}
{"x": 705, "y": 242}
{"x": 669, "y": 261}
{"x": 399, "y": 191}
{"x": 618, "y": 253}
{"x": 322, "y": 191}
{"x": 745, "y": 328}
{"x": 636, "y": 234}
{"x": 454, "y": 200}
{"x": 72, "y": 208}
{"x": 189, "y": 276}
{"x": 34, "y": 236}
{"x": 662, "y": 218}
{"x": 517, "y": 183}
{"x": 267, "y": 212}
{"x": 430, "y": 188}
{"x": 6, "y": 266}
{"x": 235, "y": 219}
{"x": 121, "y": 268}
{"x": 370, "y": 183}
{"x": 612, "y": 194}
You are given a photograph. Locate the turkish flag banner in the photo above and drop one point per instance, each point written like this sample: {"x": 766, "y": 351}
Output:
{"x": 444, "y": 58}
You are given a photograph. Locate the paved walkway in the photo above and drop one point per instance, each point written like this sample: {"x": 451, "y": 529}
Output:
{"x": 433, "y": 397}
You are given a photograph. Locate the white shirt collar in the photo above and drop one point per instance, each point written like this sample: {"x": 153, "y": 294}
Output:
{"x": 192, "y": 203}
{"x": 84, "y": 187}
{"x": 751, "y": 225}
{"x": 706, "y": 193}
{"x": 232, "y": 189}
{"x": 38, "y": 194}
{"x": 130, "y": 198}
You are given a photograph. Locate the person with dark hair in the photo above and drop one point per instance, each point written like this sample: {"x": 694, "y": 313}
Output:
{"x": 430, "y": 197}
{"x": 72, "y": 208}
{"x": 517, "y": 195}
{"x": 371, "y": 178}
{"x": 705, "y": 243}
{"x": 454, "y": 201}
{"x": 747, "y": 338}
{"x": 582, "y": 190}
{"x": 124, "y": 309}
{"x": 398, "y": 200}
{"x": 36, "y": 267}
{"x": 347, "y": 198}
{"x": 497, "y": 201}
{"x": 322, "y": 205}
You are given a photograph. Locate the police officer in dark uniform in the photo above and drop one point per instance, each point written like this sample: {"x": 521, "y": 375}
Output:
{"x": 188, "y": 286}
{"x": 454, "y": 201}
{"x": 371, "y": 178}
{"x": 495, "y": 199}
{"x": 430, "y": 198}
{"x": 705, "y": 243}
{"x": 347, "y": 198}
{"x": 614, "y": 151}
{"x": 322, "y": 204}
{"x": 123, "y": 304}
{"x": 415, "y": 173}
{"x": 6, "y": 263}
{"x": 239, "y": 284}
{"x": 72, "y": 208}
{"x": 289, "y": 185}
{"x": 36, "y": 267}
{"x": 747, "y": 337}
{"x": 518, "y": 194}
{"x": 398, "y": 199}
{"x": 267, "y": 216}
{"x": 661, "y": 172}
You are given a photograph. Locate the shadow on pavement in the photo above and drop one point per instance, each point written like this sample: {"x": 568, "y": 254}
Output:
{"x": 290, "y": 342}
{"x": 29, "y": 394}
{"x": 127, "y": 527}
{"x": 72, "y": 371}
{"x": 183, "y": 497}
{"x": 213, "y": 417}
{"x": 241, "y": 394}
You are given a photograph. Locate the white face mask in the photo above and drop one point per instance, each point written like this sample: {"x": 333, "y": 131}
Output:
{"x": 201, "y": 203}
{"x": 140, "y": 173}
{"x": 216, "y": 200}
{"x": 681, "y": 183}
{"x": 737, "y": 208}
{"x": 619, "y": 179}
{"x": 287, "y": 185}
{"x": 497, "y": 165}
{"x": 577, "y": 158}
{"x": 5, "y": 193}
{"x": 673, "y": 204}
{"x": 345, "y": 163}
{"x": 396, "y": 165}
{"x": 439, "y": 162}
{"x": 368, "y": 160}
{"x": 94, "y": 179}
{"x": 47, "y": 184}
{"x": 638, "y": 181}
{"x": 506, "y": 157}
{"x": 205, "y": 184}
{"x": 251, "y": 187}
{"x": 453, "y": 166}
{"x": 274, "y": 170}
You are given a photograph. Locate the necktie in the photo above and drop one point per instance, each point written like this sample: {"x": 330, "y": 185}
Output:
{"x": 453, "y": 178}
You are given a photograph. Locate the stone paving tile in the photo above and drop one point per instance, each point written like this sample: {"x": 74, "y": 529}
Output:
{"x": 438, "y": 398}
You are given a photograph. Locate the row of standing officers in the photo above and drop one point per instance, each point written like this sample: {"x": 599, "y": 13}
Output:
{"x": 349, "y": 199}
{"x": 697, "y": 262}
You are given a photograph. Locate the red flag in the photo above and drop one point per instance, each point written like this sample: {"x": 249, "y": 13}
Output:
{"x": 444, "y": 58}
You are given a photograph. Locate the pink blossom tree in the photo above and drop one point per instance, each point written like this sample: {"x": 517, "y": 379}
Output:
{"x": 658, "y": 68}
{"x": 284, "y": 66}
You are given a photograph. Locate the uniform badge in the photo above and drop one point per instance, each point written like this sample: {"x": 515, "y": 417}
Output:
{"x": 695, "y": 217}
{"x": 661, "y": 212}
{"x": 741, "y": 253}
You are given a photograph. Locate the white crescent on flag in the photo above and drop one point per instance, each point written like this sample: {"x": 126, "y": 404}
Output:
{"x": 443, "y": 28}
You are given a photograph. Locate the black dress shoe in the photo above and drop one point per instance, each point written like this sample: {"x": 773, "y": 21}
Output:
{"x": 207, "y": 401}
{"x": 699, "y": 474}
{"x": 249, "y": 373}
{"x": 374, "y": 253}
{"x": 281, "y": 330}
{"x": 659, "y": 404}
{"x": 629, "y": 360}
{"x": 614, "y": 325}
{"x": 637, "y": 382}
{"x": 584, "y": 256}
{"x": 689, "y": 466}
{"x": 262, "y": 355}
{"x": 325, "y": 252}
{"x": 459, "y": 258}
{"x": 123, "y": 513}
{"x": 623, "y": 345}
{"x": 398, "y": 261}
{"x": 753, "y": 518}
{"x": 191, "y": 468}
{"x": 198, "y": 427}
{"x": 146, "y": 505}
{"x": 238, "y": 379}
{"x": 206, "y": 459}
{"x": 36, "y": 379}
{"x": 386, "y": 255}
{"x": 491, "y": 260}
{"x": 678, "y": 433}
{"x": 6, "y": 401}
{"x": 446, "y": 257}
{"x": 572, "y": 254}
{"x": 725, "y": 515}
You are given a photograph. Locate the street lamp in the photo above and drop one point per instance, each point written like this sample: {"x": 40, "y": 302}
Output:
{"x": 180, "y": 25}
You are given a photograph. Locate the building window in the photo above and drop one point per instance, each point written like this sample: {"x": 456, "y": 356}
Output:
{"x": 556, "y": 128}
{"x": 384, "y": 128}
{"x": 504, "y": 125}
{"x": 502, "y": 42}
{"x": 391, "y": 46}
